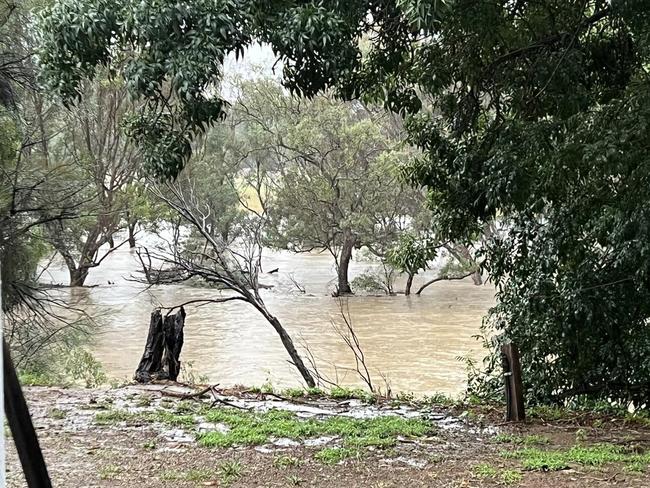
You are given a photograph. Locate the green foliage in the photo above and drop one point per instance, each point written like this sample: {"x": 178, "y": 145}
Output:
{"x": 230, "y": 471}
{"x": 598, "y": 455}
{"x": 334, "y": 455}
{"x": 284, "y": 461}
{"x": 485, "y": 471}
{"x": 80, "y": 365}
{"x": 247, "y": 428}
{"x": 529, "y": 440}
{"x": 413, "y": 253}
{"x": 109, "y": 472}
{"x": 111, "y": 417}
{"x": 196, "y": 475}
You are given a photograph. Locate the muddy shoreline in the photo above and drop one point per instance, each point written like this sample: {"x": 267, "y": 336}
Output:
{"x": 151, "y": 436}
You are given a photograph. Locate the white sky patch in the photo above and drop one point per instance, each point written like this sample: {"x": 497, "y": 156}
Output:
{"x": 258, "y": 62}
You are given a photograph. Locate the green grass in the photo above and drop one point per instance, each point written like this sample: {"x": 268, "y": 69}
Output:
{"x": 230, "y": 471}
{"x": 109, "y": 472}
{"x": 534, "y": 459}
{"x": 30, "y": 378}
{"x": 343, "y": 393}
{"x": 510, "y": 477}
{"x": 294, "y": 392}
{"x": 528, "y": 440}
{"x": 294, "y": 480}
{"x": 111, "y": 417}
{"x": 284, "y": 461}
{"x": 250, "y": 428}
{"x": 334, "y": 455}
{"x": 485, "y": 471}
{"x": 196, "y": 475}
{"x": 56, "y": 413}
{"x": 504, "y": 477}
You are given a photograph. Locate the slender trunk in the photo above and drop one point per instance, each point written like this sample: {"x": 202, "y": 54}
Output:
{"x": 78, "y": 276}
{"x": 343, "y": 265}
{"x": 409, "y": 283}
{"x": 477, "y": 278}
{"x": 287, "y": 342}
{"x": 111, "y": 242}
{"x": 132, "y": 235}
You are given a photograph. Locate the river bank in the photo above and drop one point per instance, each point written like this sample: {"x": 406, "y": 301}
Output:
{"x": 151, "y": 436}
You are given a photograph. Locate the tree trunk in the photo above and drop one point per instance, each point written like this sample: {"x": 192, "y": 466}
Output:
{"x": 132, "y": 234}
{"x": 343, "y": 287}
{"x": 477, "y": 278}
{"x": 173, "y": 330}
{"x": 409, "y": 283}
{"x": 78, "y": 276}
{"x": 291, "y": 349}
{"x": 162, "y": 351}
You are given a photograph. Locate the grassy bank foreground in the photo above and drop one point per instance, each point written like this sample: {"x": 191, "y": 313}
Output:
{"x": 153, "y": 437}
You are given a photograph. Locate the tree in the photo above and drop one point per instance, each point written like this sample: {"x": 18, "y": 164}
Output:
{"x": 535, "y": 113}
{"x": 412, "y": 254}
{"x": 92, "y": 150}
{"x": 232, "y": 267}
{"x": 336, "y": 183}
{"x": 35, "y": 321}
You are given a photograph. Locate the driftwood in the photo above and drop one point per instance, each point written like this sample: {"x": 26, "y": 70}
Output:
{"x": 162, "y": 351}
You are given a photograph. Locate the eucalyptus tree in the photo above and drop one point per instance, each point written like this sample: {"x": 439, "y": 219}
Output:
{"x": 336, "y": 185}
{"x": 92, "y": 149}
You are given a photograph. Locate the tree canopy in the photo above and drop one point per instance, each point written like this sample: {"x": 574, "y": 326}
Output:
{"x": 532, "y": 113}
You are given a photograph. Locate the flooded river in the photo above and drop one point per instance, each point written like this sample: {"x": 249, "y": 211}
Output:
{"x": 413, "y": 341}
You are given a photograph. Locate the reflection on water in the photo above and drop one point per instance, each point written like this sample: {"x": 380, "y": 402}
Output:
{"x": 413, "y": 341}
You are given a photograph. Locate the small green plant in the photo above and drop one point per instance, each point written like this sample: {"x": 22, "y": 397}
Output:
{"x": 343, "y": 393}
{"x": 33, "y": 378}
{"x": 294, "y": 480}
{"x": 314, "y": 391}
{"x": 196, "y": 475}
{"x": 510, "y": 477}
{"x": 57, "y": 413}
{"x": 230, "y": 471}
{"x": 144, "y": 401}
{"x": 636, "y": 467}
{"x": 82, "y": 366}
{"x": 149, "y": 445}
{"x": 294, "y": 392}
{"x": 528, "y": 440}
{"x": 334, "y": 455}
{"x": 284, "y": 461}
{"x": 485, "y": 471}
{"x": 267, "y": 387}
{"x": 109, "y": 472}
{"x": 189, "y": 375}
{"x": 113, "y": 417}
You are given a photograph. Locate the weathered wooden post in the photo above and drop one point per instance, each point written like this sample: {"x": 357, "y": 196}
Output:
{"x": 513, "y": 384}
{"x": 160, "y": 359}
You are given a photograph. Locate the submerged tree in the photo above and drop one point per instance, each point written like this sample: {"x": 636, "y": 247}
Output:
{"x": 336, "y": 183}
{"x": 92, "y": 150}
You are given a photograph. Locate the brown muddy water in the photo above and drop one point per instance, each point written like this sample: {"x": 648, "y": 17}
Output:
{"x": 412, "y": 342}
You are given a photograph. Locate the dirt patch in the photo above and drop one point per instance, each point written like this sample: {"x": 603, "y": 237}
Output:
{"x": 143, "y": 437}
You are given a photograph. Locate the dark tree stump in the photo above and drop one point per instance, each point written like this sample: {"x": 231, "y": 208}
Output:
{"x": 513, "y": 384}
{"x": 162, "y": 351}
